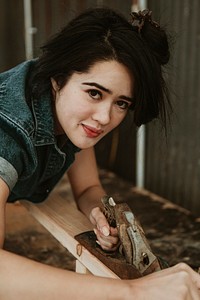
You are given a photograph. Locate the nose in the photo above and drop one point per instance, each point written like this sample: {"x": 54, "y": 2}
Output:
{"x": 102, "y": 113}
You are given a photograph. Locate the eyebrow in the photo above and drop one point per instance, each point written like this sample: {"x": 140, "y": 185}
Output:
{"x": 97, "y": 85}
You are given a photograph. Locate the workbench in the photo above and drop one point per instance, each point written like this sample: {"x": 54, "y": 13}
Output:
{"x": 173, "y": 232}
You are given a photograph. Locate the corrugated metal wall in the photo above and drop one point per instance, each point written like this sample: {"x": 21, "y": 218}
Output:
{"x": 173, "y": 167}
{"x": 48, "y": 17}
{"x": 12, "y": 49}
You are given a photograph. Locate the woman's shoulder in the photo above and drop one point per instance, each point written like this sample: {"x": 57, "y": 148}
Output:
{"x": 19, "y": 71}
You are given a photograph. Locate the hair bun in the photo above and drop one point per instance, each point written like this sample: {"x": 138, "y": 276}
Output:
{"x": 151, "y": 32}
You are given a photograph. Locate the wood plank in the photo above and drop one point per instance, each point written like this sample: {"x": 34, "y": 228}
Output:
{"x": 63, "y": 220}
{"x": 80, "y": 268}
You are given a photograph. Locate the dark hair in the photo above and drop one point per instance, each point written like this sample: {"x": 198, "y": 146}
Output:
{"x": 102, "y": 34}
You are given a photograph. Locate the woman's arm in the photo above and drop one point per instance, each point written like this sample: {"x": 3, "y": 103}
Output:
{"x": 87, "y": 190}
{"x": 85, "y": 183}
{"x": 21, "y": 278}
{"x": 4, "y": 193}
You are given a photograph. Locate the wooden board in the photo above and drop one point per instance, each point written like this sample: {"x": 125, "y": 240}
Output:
{"x": 63, "y": 220}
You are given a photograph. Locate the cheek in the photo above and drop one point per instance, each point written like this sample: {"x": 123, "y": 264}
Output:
{"x": 73, "y": 103}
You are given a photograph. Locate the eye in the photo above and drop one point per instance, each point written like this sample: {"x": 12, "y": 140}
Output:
{"x": 95, "y": 94}
{"x": 123, "y": 104}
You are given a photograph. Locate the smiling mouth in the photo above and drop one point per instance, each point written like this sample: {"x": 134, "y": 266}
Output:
{"x": 91, "y": 132}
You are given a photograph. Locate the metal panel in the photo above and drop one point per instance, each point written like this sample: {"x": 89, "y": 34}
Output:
{"x": 173, "y": 166}
{"x": 11, "y": 33}
{"x": 50, "y": 15}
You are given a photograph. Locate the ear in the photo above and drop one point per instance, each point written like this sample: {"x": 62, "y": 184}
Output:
{"x": 54, "y": 85}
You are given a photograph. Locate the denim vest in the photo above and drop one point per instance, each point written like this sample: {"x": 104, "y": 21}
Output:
{"x": 31, "y": 163}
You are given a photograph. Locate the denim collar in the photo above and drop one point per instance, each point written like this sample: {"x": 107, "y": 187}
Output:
{"x": 44, "y": 124}
{"x": 13, "y": 106}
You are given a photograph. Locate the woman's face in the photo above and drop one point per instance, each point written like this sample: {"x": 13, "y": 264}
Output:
{"x": 91, "y": 104}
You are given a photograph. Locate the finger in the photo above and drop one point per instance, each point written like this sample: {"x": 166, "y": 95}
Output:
{"x": 195, "y": 277}
{"x": 179, "y": 269}
{"x": 108, "y": 239}
{"x": 102, "y": 225}
{"x": 107, "y": 246}
{"x": 114, "y": 231}
{"x": 97, "y": 218}
{"x": 107, "y": 243}
{"x": 100, "y": 221}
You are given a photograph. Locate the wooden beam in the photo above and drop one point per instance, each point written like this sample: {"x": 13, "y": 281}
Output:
{"x": 63, "y": 220}
{"x": 80, "y": 268}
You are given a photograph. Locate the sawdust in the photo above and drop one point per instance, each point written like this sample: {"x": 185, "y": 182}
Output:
{"x": 26, "y": 237}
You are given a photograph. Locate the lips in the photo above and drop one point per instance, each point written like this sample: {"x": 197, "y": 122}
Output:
{"x": 91, "y": 131}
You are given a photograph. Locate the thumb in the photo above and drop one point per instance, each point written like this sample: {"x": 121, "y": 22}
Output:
{"x": 102, "y": 225}
{"x": 100, "y": 221}
{"x": 105, "y": 229}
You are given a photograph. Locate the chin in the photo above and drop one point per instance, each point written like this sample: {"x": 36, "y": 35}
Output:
{"x": 85, "y": 145}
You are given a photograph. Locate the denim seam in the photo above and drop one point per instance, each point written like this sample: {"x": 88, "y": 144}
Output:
{"x": 17, "y": 124}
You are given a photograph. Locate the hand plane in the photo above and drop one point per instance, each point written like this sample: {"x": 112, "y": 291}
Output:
{"x": 134, "y": 257}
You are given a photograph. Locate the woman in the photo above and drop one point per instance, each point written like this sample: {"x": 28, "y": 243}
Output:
{"x": 53, "y": 110}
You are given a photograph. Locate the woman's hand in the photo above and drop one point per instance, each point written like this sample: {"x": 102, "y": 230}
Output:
{"x": 179, "y": 282}
{"x": 107, "y": 237}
